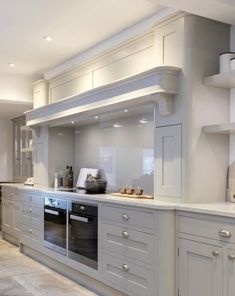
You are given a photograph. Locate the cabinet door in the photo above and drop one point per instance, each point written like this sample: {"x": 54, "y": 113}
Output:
{"x": 200, "y": 269}
{"x": 16, "y": 215}
{"x": 7, "y": 216}
{"x": 231, "y": 272}
{"x": 168, "y": 161}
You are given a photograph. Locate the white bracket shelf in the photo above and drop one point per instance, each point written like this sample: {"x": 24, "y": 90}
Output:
{"x": 224, "y": 128}
{"x": 223, "y": 80}
{"x": 158, "y": 85}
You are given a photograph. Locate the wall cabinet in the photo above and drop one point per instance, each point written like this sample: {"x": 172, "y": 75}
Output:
{"x": 23, "y": 150}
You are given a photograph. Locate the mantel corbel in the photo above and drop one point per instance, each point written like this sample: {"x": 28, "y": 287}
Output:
{"x": 165, "y": 104}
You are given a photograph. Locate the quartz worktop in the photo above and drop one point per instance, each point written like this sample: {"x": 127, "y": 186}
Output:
{"x": 219, "y": 208}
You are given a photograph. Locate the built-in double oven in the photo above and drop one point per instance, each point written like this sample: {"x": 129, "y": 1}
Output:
{"x": 71, "y": 229}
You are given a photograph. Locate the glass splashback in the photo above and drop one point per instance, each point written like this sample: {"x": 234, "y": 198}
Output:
{"x": 123, "y": 149}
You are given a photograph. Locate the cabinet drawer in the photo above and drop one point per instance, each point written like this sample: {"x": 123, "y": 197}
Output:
{"x": 126, "y": 217}
{"x": 10, "y": 193}
{"x": 130, "y": 278}
{"x": 32, "y": 215}
{"x": 32, "y": 199}
{"x": 207, "y": 228}
{"x": 130, "y": 243}
{"x": 31, "y": 234}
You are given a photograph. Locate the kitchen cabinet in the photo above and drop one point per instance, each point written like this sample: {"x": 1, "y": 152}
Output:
{"x": 206, "y": 261}
{"x": 40, "y": 93}
{"x": 201, "y": 268}
{"x": 23, "y": 150}
{"x": 11, "y": 216}
{"x": 230, "y": 262}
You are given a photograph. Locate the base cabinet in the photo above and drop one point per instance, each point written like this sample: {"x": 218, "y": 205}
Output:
{"x": 7, "y": 214}
{"x": 201, "y": 269}
{"x": 206, "y": 262}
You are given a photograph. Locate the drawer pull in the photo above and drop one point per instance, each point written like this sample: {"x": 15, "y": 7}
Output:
{"x": 215, "y": 253}
{"x": 12, "y": 193}
{"x": 231, "y": 257}
{"x": 125, "y": 234}
{"x": 30, "y": 230}
{"x": 125, "y": 217}
{"x": 125, "y": 267}
{"x": 224, "y": 233}
{"x": 30, "y": 210}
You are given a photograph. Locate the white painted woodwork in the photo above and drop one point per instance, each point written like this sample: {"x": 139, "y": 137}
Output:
{"x": 169, "y": 44}
{"x": 129, "y": 243}
{"x": 224, "y": 80}
{"x": 7, "y": 213}
{"x": 69, "y": 85}
{"x": 200, "y": 269}
{"x": 230, "y": 260}
{"x": 40, "y": 93}
{"x": 16, "y": 216}
{"x": 136, "y": 281}
{"x": 208, "y": 228}
{"x": 223, "y": 128}
{"x": 135, "y": 90}
{"x": 168, "y": 145}
{"x": 129, "y": 218}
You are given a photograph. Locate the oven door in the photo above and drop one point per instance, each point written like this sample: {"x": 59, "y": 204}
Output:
{"x": 55, "y": 229}
{"x": 82, "y": 243}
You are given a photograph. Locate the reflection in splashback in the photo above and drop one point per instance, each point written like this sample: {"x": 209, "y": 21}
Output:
{"x": 124, "y": 151}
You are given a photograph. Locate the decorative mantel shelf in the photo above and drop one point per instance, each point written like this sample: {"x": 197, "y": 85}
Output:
{"x": 158, "y": 85}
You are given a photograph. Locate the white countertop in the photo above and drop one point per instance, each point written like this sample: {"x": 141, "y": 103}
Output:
{"x": 225, "y": 209}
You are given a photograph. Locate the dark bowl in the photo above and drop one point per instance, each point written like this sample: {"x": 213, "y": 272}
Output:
{"x": 98, "y": 186}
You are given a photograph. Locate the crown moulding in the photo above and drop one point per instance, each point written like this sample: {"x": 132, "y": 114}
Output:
{"x": 157, "y": 85}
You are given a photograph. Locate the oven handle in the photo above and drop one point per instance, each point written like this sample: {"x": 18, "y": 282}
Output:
{"x": 52, "y": 212}
{"x": 78, "y": 218}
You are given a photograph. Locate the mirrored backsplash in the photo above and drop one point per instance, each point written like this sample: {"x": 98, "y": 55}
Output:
{"x": 122, "y": 149}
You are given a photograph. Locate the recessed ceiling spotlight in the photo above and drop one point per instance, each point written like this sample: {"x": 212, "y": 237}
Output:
{"x": 117, "y": 125}
{"x": 11, "y": 65}
{"x": 126, "y": 110}
{"x": 72, "y": 122}
{"x": 143, "y": 120}
{"x": 96, "y": 117}
{"x": 47, "y": 38}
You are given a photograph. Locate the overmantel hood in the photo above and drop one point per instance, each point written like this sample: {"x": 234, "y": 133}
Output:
{"x": 158, "y": 85}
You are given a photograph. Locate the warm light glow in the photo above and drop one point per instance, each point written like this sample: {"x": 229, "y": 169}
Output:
{"x": 47, "y": 38}
{"x": 143, "y": 120}
{"x": 11, "y": 65}
{"x": 117, "y": 125}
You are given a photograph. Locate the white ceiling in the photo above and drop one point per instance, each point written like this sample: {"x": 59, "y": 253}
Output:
{"x": 75, "y": 26}
{"x": 220, "y": 10}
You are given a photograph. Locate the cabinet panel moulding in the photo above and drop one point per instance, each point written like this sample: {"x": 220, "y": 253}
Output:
{"x": 158, "y": 84}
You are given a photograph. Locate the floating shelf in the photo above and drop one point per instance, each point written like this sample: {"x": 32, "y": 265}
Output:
{"x": 224, "y": 80}
{"x": 224, "y": 128}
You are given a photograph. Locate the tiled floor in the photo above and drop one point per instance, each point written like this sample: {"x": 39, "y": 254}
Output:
{"x": 22, "y": 276}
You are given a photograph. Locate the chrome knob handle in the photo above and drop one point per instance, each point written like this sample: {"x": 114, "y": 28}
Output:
{"x": 30, "y": 210}
{"x": 12, "y": 193}
{"x": 30, "y": 230}
{"x": 224, "y": 233}
{"x": 125, "y": 234}
{"x": 231, "y": 257}
{"x": 215, "y": 253}
{"x": 125, "y": 217}
{"x": 125, "y": 267}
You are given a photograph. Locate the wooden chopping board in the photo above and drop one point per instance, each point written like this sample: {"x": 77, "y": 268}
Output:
{"x": 143, "y": 196}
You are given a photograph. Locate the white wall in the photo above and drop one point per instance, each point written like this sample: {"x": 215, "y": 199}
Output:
{"x": 6, "y": 150}
{"x": 16, "y": 87}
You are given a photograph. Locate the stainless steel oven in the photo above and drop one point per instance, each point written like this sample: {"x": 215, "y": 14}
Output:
{"x": 82, "y": 236}
{"x": 55, "y": 221}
